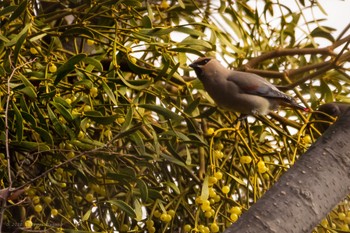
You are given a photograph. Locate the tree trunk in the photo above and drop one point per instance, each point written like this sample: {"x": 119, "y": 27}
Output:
{"x": 308, "y": 191}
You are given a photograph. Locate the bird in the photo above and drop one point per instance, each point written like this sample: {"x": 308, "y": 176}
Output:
{"x": 242, "y": 92}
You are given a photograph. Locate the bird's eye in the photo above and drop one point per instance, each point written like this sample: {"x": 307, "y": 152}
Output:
{"x": 204, "y": 61}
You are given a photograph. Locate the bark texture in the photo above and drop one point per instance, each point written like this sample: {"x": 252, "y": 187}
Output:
{"x": 308, "y": 191}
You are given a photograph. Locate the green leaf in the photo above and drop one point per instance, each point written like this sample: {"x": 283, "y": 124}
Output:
{"x": 146, "y": 21}
{"x": 7, "y": 10}
{"x": 29, "y": 118}
{"x": 205, "y": 188}
{"x": 29, "y": 146}
{"x": 99, "y": 118}
{"x": 28, "y": 91}
{"x": 238, "y": 180}
{"x": 187, "y": 50}
{"x": 124, "y": 207}
{"x": 142, "y": 86}
{"x": 78, "y": 31}
{"x": 96, "y": 63}
{"x": 20, "y": 9}
{"x": 192, "y": 42}
{"x": 138, "y": 210}
{"x": 173, "y": 187}
{"x": 45, "y": 135}
{"x": 63, "y": 111}
{"x": 143, "y": 189}
{"x": 55, "y": 122}
{"x": 15, "y": 39}
{"x": 162, "y": 111}
{"x": 173, "y": 160}
{"x": 137, "y": 68}
{"x": 68, "y": 67}
{"x": 323, "y": 32}
{"x": 86, "y": 215}
{"x": 19, "y": 123}
{"x": 109, "y": 93}
{"x": 19, "y": 45}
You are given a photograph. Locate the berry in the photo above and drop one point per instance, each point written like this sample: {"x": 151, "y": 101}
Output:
{"x": 245, "y": 159}
{"x": 38, "y": 208}
{"x": 28, "y": 223}
{"x": 233, "y": 217}
{"x": 218, "y": 175}
{"x": 225, "y": 189}
{"x": 54, "y": 212}
{"x": 89, "y": 197}
{"x": 187, "y": 228}
{"x": 52, "y": 68}
{"x": 214, "y": 227}
{"x": 210, "y": 131}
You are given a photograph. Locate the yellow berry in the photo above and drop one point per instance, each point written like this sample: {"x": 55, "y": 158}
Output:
{"x": 28, "y": 224}
{"x": 163, "y": 217}
{"x": 90, "y": 42}
{"x": 341, "y": 216}
{"x": 38, "y": 208}
{"x": 218, "y": 175}
{"x": 124, "y": 228}
{"x": 47, "y": 199}
{"x": 262, "y": 169}
{"x": 199, "y": 200}
{"x": 233, "y": 217}
{"x": 164, "y": 4}
{"x": 212, "y": 192}
{"x": 157, "y": 213}
{"x": 89, "y": 197}
{"x": 212, "y": 180}
{"x": 324, "y": 223}
{"x": 208, "y": 214}
{"x": 218, "y": 154}
{"x": 120, "y": 120}
{"x": 261, "y": 164}
{"x": 206, "y": 203}
{"x": 34, "y": 50}
{"x": 217, "y": 198}
{"x": 236, "y": 210}
{"x": 245, "y": 159}
{"x": 93, "y": 92}
{"x": 52, "y": 68}
{"x": 210, "y": 131}
{"x": 171, "y": 212}
{"x": 36, "y": 200}
{"x": 225, "y": 189}
{"x": 87, "y": 108}
{"x": 70, "y": 155}
{"x": 187, "y": 228}
{"x": 150, "y": 223}
{"x": 214, "y": 227}
{"x": 54, "y": 212}
{"x": 219, "y": 146}
{"x": 307, "y": 139}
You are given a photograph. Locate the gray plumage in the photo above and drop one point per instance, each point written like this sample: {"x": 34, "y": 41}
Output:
{"x": 237, "y": 91}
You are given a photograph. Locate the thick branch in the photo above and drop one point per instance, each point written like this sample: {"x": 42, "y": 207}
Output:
{"x": 308, "y": 191}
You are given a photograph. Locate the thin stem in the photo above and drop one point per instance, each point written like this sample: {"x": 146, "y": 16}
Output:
{"x": 7, "y": 141}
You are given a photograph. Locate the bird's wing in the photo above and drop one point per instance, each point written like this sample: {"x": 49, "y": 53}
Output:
{"x": 255, "y": 85}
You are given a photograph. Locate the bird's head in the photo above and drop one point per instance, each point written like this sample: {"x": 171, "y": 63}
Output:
{"x": 199, "y": 65}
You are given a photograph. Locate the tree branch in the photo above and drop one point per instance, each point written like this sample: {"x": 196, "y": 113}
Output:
{"x": 308, "y": 191}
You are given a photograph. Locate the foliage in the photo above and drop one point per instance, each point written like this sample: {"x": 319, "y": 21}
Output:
{"x": 103, "y": 129}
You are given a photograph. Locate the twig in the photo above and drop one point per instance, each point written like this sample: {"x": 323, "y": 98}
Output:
{"x": 7, "y": 146}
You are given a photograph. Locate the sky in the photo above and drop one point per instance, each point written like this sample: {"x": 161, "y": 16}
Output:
{"x": 338, "y": 13}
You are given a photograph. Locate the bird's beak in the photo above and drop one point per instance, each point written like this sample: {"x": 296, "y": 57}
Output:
{"x": 193, "y": 65}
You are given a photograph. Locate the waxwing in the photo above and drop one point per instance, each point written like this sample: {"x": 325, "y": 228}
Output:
{"x": 237, "y": 91}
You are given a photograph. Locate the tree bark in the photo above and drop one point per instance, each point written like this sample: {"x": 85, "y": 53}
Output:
{"x": 308, "y": 191}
